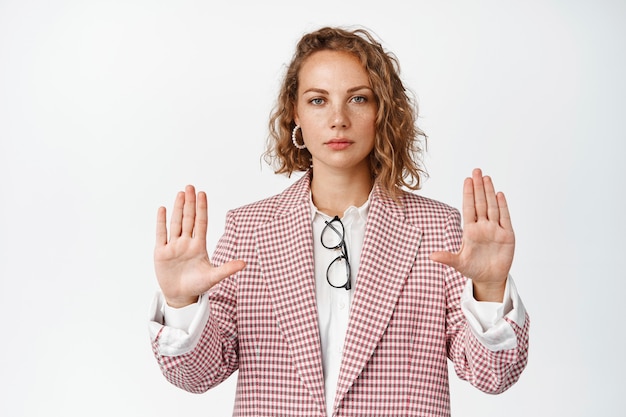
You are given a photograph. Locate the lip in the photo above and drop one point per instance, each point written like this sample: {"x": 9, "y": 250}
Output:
{"x": 339, "y": 143}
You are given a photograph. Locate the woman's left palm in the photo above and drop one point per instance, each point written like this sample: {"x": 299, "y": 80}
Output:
{"x": 488, "y": 243}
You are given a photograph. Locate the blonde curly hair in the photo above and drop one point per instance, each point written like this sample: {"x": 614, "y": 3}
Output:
{"x": 396, "y": 160}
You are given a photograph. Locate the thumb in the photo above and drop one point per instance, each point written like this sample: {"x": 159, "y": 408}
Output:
{"x": 214, "y": 276}
{"x": 227, "y": 269}
{"x": 446, "y": 258}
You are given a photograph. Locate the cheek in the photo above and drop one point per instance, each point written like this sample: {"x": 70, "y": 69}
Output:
{"x": 367, "y": 122}
{"x": 366, "y": 115}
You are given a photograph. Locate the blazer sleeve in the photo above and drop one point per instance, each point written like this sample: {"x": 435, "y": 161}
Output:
{"x": 490, "y": 371}
{"x": 215, "y": 356}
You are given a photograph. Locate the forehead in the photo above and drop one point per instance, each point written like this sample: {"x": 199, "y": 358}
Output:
{"x": 334, "y": 67}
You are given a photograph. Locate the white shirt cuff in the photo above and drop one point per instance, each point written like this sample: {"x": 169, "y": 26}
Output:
{"x": 180, "y": 328}
{"x": 179, "y": 318}
{"x": 487, "y": 319}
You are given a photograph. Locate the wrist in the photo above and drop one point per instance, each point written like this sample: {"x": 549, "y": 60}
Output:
{"x": 490, "y": 292}
{"x": 181, "y": 302}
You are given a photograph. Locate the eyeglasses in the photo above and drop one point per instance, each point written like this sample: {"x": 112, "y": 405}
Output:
{"x": 333, "y": 238}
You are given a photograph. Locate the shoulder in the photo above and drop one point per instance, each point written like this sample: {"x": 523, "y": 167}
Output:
{"x": 419, "y": 209}
{"x": 268, "y": 208}
{"x": 256, "y": 211}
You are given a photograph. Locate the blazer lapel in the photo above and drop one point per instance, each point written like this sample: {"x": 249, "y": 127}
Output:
{"x": 285, "y": 250}
{"x": 389, "y": 250}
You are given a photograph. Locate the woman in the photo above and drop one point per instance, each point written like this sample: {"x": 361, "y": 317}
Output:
{"x": 345, "y": 294}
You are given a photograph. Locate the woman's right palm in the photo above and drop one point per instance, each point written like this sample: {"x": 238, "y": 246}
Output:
{"x": 182, "y": 264}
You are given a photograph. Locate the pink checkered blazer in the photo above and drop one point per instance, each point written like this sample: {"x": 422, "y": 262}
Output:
{"x": 405, "y": 319}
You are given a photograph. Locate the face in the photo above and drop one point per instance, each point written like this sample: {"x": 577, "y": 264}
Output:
{"x": 336, "y": 110}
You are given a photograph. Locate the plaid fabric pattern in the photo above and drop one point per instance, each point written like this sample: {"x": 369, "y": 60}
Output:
{"x": 405, "y": 319}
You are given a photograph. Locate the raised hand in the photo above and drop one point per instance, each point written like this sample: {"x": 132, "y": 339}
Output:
{"x": 488, "y": 243}
{"x": 182, "y": 264}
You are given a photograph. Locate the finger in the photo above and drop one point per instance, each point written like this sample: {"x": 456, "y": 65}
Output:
{"x": 202, "y": 218}
{"x": 446, "y": 258}
{"x": 177, "y": 215}
{"x": 229, "y": 268}
{"x": 480, "y": 202}
{"x": 189, "y": 211}
{"x": 161, "y": 227}
{"x": 493, "y": 211}
{"x": 505, "y": 217}
{"x": 224, "y": 271}
{"x": 469, "y": 208}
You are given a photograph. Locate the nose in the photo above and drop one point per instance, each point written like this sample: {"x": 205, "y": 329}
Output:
{"x": 339, "y": 117}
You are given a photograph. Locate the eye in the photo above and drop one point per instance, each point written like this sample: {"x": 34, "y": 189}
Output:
{"x": 359, "y": 99}
{"x": 317, "y": 101}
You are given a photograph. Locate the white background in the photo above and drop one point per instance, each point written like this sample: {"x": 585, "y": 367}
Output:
{"x": 108, "y": 108}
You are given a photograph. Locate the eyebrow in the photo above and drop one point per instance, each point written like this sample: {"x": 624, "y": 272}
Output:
{"x": 350, "y": 90}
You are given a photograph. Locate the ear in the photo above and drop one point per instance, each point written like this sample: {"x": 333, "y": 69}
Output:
{"x": 296, "y": 119}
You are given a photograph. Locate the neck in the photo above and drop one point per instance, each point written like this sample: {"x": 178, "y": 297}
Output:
{"x": 333, "y": 194}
